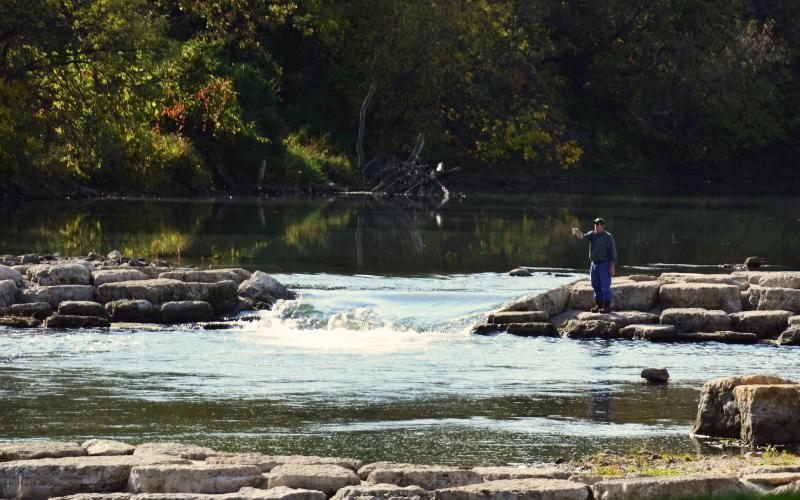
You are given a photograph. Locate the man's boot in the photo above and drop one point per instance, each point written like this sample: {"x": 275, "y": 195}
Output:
{"x": 605, "y": 307}
{"x": 596, "y": 306}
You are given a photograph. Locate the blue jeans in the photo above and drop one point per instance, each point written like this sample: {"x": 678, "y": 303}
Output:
{"x": 601, "y": 282}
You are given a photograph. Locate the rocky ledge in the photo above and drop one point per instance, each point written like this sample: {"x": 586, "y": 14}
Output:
{"x": 95, "y": 291}
{"x": 743, "y": 307}
{"x": 101, "y": 469}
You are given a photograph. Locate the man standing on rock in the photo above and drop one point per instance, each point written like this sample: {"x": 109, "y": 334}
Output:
{"x": 603, "y": 257}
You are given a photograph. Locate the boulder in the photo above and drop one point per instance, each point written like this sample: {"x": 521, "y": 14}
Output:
{"x": 59, "y": 321}
{"x": 207, "y": 275}
{"x": 52, "y": 477}
{"x": 701, "y": 295}
{"x": 188, "y": 311}
{"x": 268, "y": 462}
{"x": 193, "y": 478}
{"x": 8, "y": 292}
{"x": 9, "y": 273}
{"x": 115, "y": 256}
{"x": 780, "y": 280}
{"x": 656, "y": 375}
{"x": 588, "y": 329}
{"x": 768, "y": 413}
{"x": 325, "y": 478}
{"x": 717, "y": 412}
{"x": 38, "y": 310}
{"x": 520, "y": 272}
{"x": 186, "y": 451}
{"x": 31, "y": 450}
{"x": 70, "y": 273}
{"x": 429, "y": 477}
{"x": 723, "y": 337}
{"x": 690, "y": 486}
{"x": 518, "y": 317}
{"x": 81, "y": 308}
{"x": 626, "y": 295}
{"x": 501, "y": 473}
{"x": 552, "y": 301}
{"x": 540, "y": 329}
{"x": 117, "y": 275}
{"x": 692, "y": 319}
{"x": 791, "y": 336}
{"x": 263, "y": 290}
{"x": 19, "y": 322}
{"x": 133, "y": 311}
{"x": 382, "y": 492}
{"x": 107, "y": 447}
{"x": 54, "y": 295}
{"x": 765, "y": 324}
{"x": 365, "y": 470}
{"x": 649, "y": 332}
{"x": 518, "y": 489}
{"x": 772, "y": 299}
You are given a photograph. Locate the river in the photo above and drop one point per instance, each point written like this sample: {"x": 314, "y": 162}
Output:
{"x": 374, "y": 360}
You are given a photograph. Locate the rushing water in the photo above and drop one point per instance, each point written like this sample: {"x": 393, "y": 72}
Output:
{"x": 374, "y": 359}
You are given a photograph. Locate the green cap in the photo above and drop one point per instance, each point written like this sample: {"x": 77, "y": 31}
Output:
{"x": 600, "y": 220}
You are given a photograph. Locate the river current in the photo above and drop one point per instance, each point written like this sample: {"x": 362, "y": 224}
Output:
{"x": 374, "y": 360}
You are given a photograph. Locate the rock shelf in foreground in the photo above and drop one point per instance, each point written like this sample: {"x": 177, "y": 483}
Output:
{"x": 162, "y": 471}
{"x": 743, "y": 307}
{"x": 96, "y": 291}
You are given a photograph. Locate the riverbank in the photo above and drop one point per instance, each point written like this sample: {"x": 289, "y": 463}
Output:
{"x": 101, "y": 469}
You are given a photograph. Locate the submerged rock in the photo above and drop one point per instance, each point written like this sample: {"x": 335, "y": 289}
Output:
{"x": 536, "y": 329}
{"x": 59, "y": 321}
{"x": 520, "y": 272}
{"x": 657, "y": 375}
{"x": 723, "y": 337}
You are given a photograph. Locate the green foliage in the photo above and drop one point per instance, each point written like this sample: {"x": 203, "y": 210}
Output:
{"x": 185, "y": 95}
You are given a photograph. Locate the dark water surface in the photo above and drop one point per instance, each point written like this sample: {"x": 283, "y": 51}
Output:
{"x": 374, "y": 360}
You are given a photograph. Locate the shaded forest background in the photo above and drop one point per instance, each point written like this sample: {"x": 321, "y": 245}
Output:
{"x": 187, "y": 96}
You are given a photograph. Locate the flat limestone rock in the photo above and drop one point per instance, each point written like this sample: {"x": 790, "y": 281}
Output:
{"x": 552, "y": 301}
{"x": 789, "y": 489}
{"x": 794, "y": 320}
{"x": 81, "y": 308}
{"x": 107, "y": 447}
{"x": 519, "y": 317}
{"x": 155, "y": 291}
{"x": 428, "y": 477}
{"x": 54, "y": 295}
{"x": 588, "y": 329}
{"x": 382, "y": 492}
{"x": 193, "y": 478}
{"x": 501, "y": 473}
{"x": 30, "y": 450}
{"x": 38, "y": 310}
{"x": 51, "y": 477}
{"x": 207, "y": 275}
{"x": 365, "y": 470}
{"x": 269, "y": 462}
{"x": 717, "y": 411}
{"x": 187, "y": 311}
{"x": 325, "y": 478}
{"x": 626, "y": 295}
{"x": 186, "y": 451}
{"x": 765, "y": 324}
{"x": 780, "y": 280}
{"x": 487, "y": 330}
{"x": 60, "y": 274}
{"x": 518, "y": 489}
{"x": 768, "y": 413}
{"x": 701, "y": 295}
{"x": 772, "y": 299}
{"x": 692, "y": 319}
{"x": 541, "y": 329}
{"x": 246, "y": 493}
{"x": 60, "y": 321}
{"x": 285, "y": 493}
{"x": 621, "y": 318}
{"x": 104, "y": 276}
{"x": 19, "y": 322}
{"x": 724, "y": 337}
{"x": 772, "y": 478}
{"x": 751, "y": 276}
{"x": 691, "y": 486}
{"x": 650, "y": 333}
{"x": 719, "y": 279}
{"x": 133, "y": 311}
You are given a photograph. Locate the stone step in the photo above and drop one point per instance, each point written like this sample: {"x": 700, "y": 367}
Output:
{"x": 518, "y": 489}
{"x": 428, "y": 477}
{"x": 501, "y": 318}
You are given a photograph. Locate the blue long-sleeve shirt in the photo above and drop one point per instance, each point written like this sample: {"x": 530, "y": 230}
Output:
{"x": 601, "y": 246}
